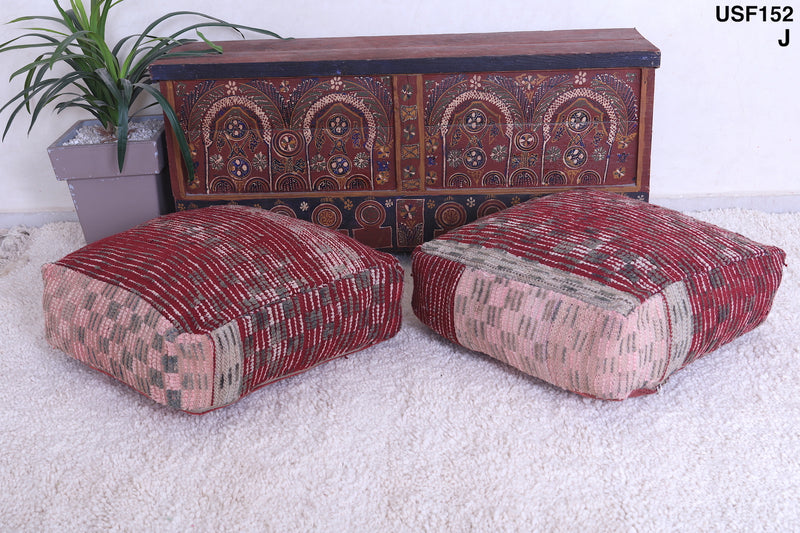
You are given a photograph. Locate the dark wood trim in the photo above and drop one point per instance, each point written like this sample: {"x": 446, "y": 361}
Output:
{"x": 415, "y": 54}
{"x": 646, "y": 129}
{"x": 397, "y": 194}
{"x": 177, "y": 169}
{"x": 402, "y": 66}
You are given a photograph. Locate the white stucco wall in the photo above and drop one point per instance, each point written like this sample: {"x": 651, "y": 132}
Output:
{"x": 726, "y": 104}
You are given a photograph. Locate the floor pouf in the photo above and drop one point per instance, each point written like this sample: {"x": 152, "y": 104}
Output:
{"x": 594, "y": 292}
{"x": 199, "y": 308}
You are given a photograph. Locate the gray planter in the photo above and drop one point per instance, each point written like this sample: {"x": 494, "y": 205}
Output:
{"x": 109, "y": 201}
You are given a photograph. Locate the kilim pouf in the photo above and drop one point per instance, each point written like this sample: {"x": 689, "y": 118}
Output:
{"x": 199, "y": 308}
{"x": 594, "y": 292}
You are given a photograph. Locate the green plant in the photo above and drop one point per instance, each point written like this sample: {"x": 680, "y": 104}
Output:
{"x": 103, "y": 80}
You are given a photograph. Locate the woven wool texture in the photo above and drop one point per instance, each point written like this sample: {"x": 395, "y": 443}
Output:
{"x": 199, "y": 308}
{"x": 594, "y": 292}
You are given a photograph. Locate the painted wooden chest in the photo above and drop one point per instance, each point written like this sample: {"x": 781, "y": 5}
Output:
{"x": 395, "y": 140}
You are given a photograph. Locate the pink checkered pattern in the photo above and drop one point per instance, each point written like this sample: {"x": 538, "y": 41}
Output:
{"x": 199, "y": 308}
{"x": 594, "y": 292}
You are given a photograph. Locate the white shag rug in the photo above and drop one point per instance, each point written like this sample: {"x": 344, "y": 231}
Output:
{"x": 414, "y": 434}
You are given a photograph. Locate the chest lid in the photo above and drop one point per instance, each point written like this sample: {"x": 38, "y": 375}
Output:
{"x": 415, "y": 54}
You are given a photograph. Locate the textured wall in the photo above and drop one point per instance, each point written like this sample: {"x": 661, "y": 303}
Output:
{"x": 725, "y": 105}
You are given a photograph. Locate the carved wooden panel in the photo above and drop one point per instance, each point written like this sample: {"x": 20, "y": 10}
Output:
{"x": 394, "y": 159}
{"x": 289, "y": 135}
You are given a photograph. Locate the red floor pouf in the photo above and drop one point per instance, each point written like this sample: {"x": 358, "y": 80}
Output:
{"x": 199, "y": 308}
{"x": 594, "y": 292}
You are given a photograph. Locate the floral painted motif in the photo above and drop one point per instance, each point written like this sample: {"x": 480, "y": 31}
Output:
{"x": 408, "y": 212}
{"x": 260, "y": 162}
{"x": 217, "y": 162}
{"x": 361, "y": 160}
{"x": 500, "y": 153}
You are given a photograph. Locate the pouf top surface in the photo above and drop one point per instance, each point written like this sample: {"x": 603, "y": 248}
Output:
{"x": 202, "y": 268}
{"x": 631, "y": 247}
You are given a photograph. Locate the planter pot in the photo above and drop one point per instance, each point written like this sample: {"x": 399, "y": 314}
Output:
{"x": 109, "y": 201}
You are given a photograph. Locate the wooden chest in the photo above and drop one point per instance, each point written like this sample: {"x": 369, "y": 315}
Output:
{"x": 395, "y": 140}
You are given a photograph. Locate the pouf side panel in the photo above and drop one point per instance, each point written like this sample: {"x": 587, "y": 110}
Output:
{"x": 120, "y": 334}
{"x": 526, "y": 327}
{"x": 316, "y": 326}
{"x": 678, "y": 307}
{"x": 565, "y": 341}
{"x": 228, "y": 364}
{"x": 433, "y": 296}
{"x": 654, "y": 344}
{"x": 733, "y": 299}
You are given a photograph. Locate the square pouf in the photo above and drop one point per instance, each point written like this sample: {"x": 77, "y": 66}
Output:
{"x": 199, "y": 308}
{"x": 594, "y": 292}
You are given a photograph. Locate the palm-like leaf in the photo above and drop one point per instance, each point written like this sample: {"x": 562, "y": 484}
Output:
{"x": 101, "y": 79}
